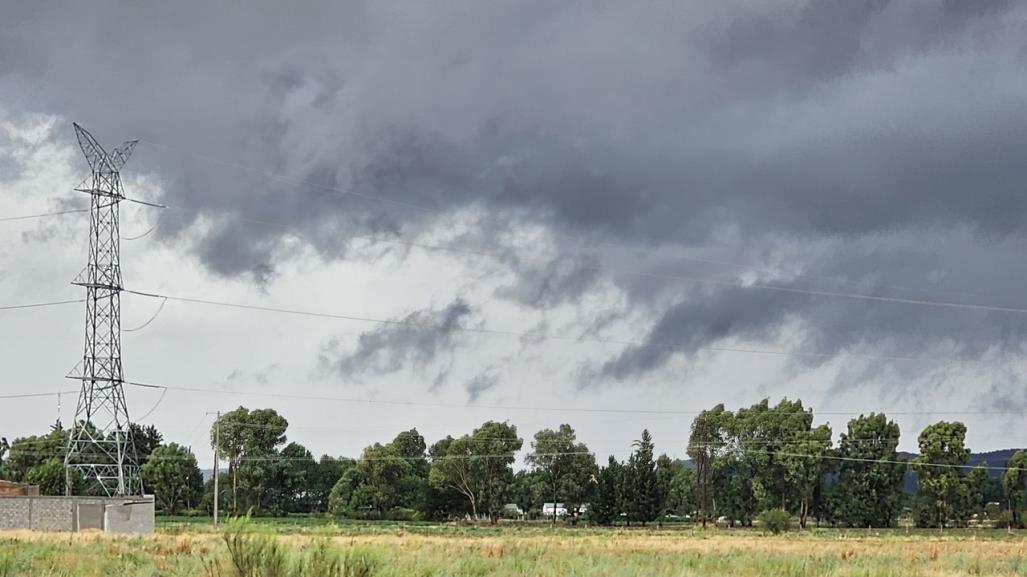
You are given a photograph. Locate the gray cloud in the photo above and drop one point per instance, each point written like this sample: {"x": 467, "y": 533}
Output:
{"x": 840, "y": 140}
{"x": 413, "y": 341}
{"x": 479, "y": 384}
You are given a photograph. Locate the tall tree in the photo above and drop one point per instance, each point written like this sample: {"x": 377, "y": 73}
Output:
{"x": 329, "y": 471}
{"x": 677, "y": 486}
{"x": 643, "y": 488}
{"x": 299, "y": 479}
{"x": 262, "y": 468}
{"x": 249, "y": 440}
{"x": 976, "y": 482}
{"x": 478, "y": 465}
{"x": 868, "y": 489}
{"x": 1014, "y": 484}
{"x": 942, "y": 453}
{"x": 804, "y": 461}
{"x": 606, "y": 508}
{"x": 382, "y": 471}
{"x": 228, "y": 438}
{"x": 146, "y": 439}
{"x": 173, "y": 476}
{"x": 442, "y": 501}
{"x": 566, "y": 464}
{"x": 28, "y": 452}
{"x": 762, "y": 434}
{"x": 707, "y": 445}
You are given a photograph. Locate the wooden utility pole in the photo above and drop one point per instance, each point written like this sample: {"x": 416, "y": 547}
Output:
{"x": 217, "y": 465}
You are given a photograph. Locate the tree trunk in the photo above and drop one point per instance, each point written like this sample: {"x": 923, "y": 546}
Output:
{"x": 235, "y": 487}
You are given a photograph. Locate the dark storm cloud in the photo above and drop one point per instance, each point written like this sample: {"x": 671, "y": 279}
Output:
{"x": 412, "y": 341}
{"x": 480, "y": 384}
{"x": 848, "y": 134}
{"x": 706, "y": 317}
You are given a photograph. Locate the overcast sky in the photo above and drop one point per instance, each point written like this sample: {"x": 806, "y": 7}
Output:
{"x": 655, "y": 206}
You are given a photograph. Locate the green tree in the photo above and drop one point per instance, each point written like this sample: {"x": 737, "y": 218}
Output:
{"x": 606, "y": 508}
{"x": 707, "y": 447}
{"x": 249, "y": 440}
{"x": 1013, "y": 484}
{"x": 567, "y": 466}
{"x": 227, "y": 437}
{"x": 50, "y": 477}
{"x": 24, "y": 453}
{"x": 299, "y": 475}
{"x": 528, "y": 490}
{"x": 173, "y": 476}
{"x": 805, "y": 463}
{"x": 762, "y": 435}
{"x": 412, "y": 486}
{"x": 328, "y": 472}
{"x": 677, "y": 485}
{"x": 440, "y": 501}
{"x": 381, "y": 473}
{"x": 942, "y": 490}
{"x": 478, "y": 466}
{"x": 146, "y": 439}
{"x": 644, "y": 500}
{"x": 976, "y": 482}
{"x": 340, "y": 501}
{"x": 868, "y": 489}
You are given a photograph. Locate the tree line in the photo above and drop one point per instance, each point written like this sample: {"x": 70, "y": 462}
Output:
{"x": 739, "y": 464}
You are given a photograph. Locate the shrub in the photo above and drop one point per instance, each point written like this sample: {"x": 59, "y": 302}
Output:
{"x": 255, "y": 555}
{"x": 403, "y": 514}
{"x": 359, "y": 562}
{"x": 1004, "y": 520}
{"x": 320, "y": 560}
{"x": 775, "y": 520}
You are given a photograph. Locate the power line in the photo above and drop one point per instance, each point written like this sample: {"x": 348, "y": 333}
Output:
{"x": 34, "y": 395}
{"x": 139, "y": 236}
{"x": 38, "y": 305}
{"x": 42, "y": 215}
{"x": 150, "y": 320}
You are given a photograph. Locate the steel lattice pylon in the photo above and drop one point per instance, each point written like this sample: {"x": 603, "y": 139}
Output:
{"x": 100, "y": 444}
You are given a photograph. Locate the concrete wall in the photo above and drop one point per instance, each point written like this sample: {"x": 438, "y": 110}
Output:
{"x": 115, "y": 515}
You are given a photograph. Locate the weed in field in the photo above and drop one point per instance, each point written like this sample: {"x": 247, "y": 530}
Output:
{"x": 255, "y": 555}
{"x": 6, "y": 565}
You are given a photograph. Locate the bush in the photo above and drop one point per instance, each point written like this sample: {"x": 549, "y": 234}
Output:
{"x": 1004, "y": 520}
{"x": 403, "y": 514}
{"x": 775, "y": 520}
{"x": 260, "y": 555}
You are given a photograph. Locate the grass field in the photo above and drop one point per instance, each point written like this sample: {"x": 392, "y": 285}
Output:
{"x": 371, "y": 550}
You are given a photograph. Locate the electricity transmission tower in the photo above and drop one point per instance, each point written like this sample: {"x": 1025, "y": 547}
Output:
{"x": 100, "y": 444}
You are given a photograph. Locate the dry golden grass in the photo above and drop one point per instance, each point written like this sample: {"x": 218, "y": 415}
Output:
{"x": 613, "y": 554}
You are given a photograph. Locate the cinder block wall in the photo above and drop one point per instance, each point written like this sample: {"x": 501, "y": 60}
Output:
{"x": 134, "y": 515}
